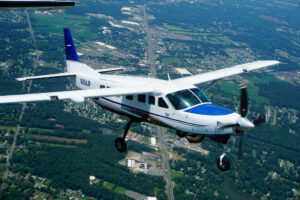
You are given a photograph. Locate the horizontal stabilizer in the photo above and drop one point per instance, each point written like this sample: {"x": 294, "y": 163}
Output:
{"x": 59, "y": 75}
{"x": 110, "y": 70}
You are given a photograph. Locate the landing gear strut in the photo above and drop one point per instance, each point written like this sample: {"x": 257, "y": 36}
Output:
{"x": 223, "y": 161}
{"x": 120, "y": 143}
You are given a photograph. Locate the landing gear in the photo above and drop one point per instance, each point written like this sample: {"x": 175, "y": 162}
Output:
{"x": 223, "y": 163}
{"x": 120, "y": 143}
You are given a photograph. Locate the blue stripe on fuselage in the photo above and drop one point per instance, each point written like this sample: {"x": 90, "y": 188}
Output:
{"x": 209, "y": 109}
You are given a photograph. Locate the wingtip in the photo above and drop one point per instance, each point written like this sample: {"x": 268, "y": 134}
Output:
{"x": 20, "y": 79}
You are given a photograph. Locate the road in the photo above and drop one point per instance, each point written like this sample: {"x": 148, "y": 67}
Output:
{"x": 165, "y": 162}
{"x": 161, "y": 131}
{"x": 11, "y": 151}
{"x": 151, "y": 56}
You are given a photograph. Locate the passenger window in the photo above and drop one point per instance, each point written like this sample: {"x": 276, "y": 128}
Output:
{"x": 162, "y": 103}
{"x": 129, "y": 97}
{"x": 142, "y": 98}
{"x": 151, "y": 100}
{"x": 102, "y": 86}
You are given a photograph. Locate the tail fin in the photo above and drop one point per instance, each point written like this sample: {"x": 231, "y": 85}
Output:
{"x": 74, "y": 65}
{"x": 71, "y": 53}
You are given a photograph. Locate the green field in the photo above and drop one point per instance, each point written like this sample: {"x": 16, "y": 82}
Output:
{"x": 173, "y": 28}
{"x": 178, "y": 62}
{"x": 60, "y": 145}
{"x": 234, "y": 89}
{"x": 119, "y": 190}
{"x": 176, "y": 174}
{"x": 108, "y": 185}
{"x": 77, "y": 24}
{"x": 10, "y": 62}
{"x": 53, "y": 138}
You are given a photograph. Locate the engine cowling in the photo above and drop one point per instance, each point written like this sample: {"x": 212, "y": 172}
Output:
{"x": 195, "y": 138}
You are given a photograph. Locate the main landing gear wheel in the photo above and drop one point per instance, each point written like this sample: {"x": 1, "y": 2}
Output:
{"x": 223, "y": 163}
{"x": 120, "y": 145}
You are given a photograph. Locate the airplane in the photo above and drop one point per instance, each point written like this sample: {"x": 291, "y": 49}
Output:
{"x": 39, "y": 4}
{"x": 176, "y": 104}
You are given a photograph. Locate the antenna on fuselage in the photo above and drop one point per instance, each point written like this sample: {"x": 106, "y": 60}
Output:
{"x": 169, "y": 79}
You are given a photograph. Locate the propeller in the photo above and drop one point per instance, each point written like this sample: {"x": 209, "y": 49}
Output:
{"x": 243, "y": 111}
{"x": 243, "y": 121}
{"x": 244, "y": 101}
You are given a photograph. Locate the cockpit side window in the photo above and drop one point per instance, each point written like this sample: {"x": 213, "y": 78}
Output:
{"x": 200, "y": 95}
{"x": 183, "y": 99}
{"x": 162, "y": 103}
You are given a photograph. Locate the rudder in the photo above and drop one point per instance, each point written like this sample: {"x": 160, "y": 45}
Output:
{"x": 71, "y": 53}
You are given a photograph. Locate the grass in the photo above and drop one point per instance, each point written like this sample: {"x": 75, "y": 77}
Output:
{"x": 53, "y": 138}
{"x": 156, "y": 191}
{"x": 78, "y": 25}
{"x": 10, "y": 62}
{"x": 198, "y": 34}
{"x": 9, "y": 128}
{"x": 60, "y": 145}
{"x": 39, "y": 130}
{"x": 108, "y": 185}
{"x": 174, "y": 61}
{"x": 119, "y": 190}
{"x": 172, "y": 27}
{"x": 47, "y": 182}
{"x": 176, "y": 174}
{"x": 232, "y": 88}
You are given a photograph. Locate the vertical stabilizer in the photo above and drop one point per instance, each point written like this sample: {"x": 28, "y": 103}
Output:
{"x": 71, "y": 53}
{"x": 74, "y": 65}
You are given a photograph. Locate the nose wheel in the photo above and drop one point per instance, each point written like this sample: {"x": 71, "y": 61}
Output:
{"x": 223, "y": 163}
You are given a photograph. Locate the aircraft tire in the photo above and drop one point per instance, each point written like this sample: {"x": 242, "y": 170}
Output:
{"x": 225, "y": 165}
{"x": 120, "y": 145}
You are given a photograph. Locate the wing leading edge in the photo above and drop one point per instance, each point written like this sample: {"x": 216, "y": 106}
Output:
{"x": 76, "y": 95}
{"x": 222, "y": 73}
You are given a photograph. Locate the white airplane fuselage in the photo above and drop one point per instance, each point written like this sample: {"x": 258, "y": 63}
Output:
{"x": 202, "y": 118}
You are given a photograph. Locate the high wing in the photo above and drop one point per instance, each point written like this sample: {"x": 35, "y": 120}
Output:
{"x": 40, "y": 4}
{"x": 76, "y": 95}
{"x": 218, "y": 74}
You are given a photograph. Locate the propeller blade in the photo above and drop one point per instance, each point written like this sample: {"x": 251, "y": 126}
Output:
{"x": 260, "y": 120}
{"x": 240, "y": 150}
{"x": 244, "y": 102}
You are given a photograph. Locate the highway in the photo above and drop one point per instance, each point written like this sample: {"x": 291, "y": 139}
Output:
{"x": 160, "y": 131}
{"x": 11, "y": 151}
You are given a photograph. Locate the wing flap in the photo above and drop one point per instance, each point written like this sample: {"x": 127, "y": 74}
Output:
{"x": 218, "y": 74}
{"x": 91, "y": 93}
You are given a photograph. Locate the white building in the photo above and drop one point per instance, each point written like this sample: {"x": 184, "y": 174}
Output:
{"x": 153, "y": 141}
{"x": 131, "y": 163}
{"x": 92, "y": 180}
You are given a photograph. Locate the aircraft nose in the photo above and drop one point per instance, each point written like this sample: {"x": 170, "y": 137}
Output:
{"x": 245, "y": 124}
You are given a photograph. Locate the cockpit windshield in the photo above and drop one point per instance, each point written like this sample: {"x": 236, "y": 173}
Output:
{"x": 185, "y": 98}
{"x": 200, "y": 95}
